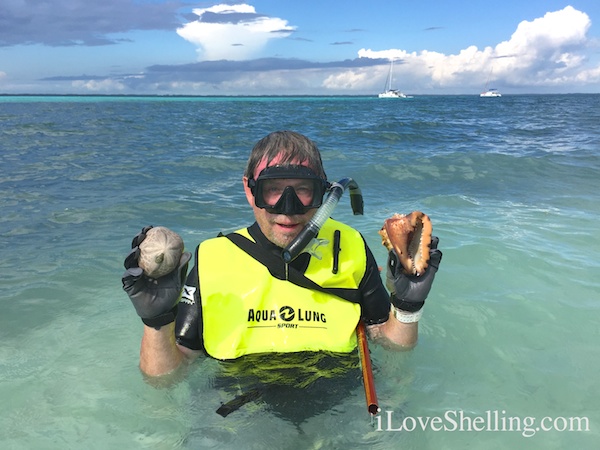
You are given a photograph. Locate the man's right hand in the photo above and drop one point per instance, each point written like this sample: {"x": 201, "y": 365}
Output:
{"x": 155, "y": 300}
{"x": 409, "y": 291}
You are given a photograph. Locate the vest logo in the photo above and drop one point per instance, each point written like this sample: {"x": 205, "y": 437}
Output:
{"x": 286, "y": 314}
{"x": 188, "y": 294}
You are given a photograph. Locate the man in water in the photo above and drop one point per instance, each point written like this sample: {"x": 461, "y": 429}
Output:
{"x": 240, "y": 298}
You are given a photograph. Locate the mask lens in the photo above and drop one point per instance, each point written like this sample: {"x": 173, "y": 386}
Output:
{"x": 288, "y": 189}
{"x": 272, "y": 190}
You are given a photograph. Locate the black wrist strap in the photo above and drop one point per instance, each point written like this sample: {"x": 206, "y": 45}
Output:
{"x": 163, "y": 319}
{"x": 405, "y": 305}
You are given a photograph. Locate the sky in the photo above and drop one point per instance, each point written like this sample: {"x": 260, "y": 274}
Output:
{"x": 292, "y": 47}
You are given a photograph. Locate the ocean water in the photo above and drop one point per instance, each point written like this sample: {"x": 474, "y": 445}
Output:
{"x": 509, "y": 347}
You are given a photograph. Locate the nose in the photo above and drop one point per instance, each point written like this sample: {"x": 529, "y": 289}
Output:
{"x": 289, "y": 204}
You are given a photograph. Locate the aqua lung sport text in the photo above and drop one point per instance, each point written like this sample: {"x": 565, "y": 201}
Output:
{"x": 285, "y": 314}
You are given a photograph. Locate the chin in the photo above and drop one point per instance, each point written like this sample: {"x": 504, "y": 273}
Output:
{"x": 283, "y": 240}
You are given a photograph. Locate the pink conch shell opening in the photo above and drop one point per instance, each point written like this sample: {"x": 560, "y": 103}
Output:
{"x": 410, "y": 236}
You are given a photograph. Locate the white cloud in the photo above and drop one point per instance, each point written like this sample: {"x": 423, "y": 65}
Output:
{"x": 233, "y": 32}
{"x": 546, "y": 51}
{"x": 105, "y": 85}
{"x": 348, "y": 79}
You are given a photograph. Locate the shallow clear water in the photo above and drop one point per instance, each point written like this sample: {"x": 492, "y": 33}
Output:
{"x": 511, "y": 326}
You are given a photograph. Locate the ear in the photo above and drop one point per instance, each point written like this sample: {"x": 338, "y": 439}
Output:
{"x": 247, "y": 191}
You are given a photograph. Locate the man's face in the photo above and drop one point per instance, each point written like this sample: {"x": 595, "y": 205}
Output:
{"x": 281, "y": 229}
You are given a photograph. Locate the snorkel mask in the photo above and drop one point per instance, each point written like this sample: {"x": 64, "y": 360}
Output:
{"x": 288, "y": 189}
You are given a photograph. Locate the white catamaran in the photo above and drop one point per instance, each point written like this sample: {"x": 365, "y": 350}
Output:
{"x": 490, "y": 92}
{"x": 389, "y": 92}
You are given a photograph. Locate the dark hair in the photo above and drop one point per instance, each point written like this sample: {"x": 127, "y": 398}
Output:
{"x": 291, "y": 146}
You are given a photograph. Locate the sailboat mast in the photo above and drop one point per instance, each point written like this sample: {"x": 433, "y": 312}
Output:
{"x": 389, "y": 91}
{"x": 487, "y": 82}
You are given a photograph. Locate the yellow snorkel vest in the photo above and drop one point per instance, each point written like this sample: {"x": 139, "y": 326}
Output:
{"x": 251, "y": 311}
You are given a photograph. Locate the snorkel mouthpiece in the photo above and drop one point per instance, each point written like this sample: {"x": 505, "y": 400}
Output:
{"x": 312, "y": 228}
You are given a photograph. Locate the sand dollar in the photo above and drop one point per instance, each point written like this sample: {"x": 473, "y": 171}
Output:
{"x": 160, "y": 252}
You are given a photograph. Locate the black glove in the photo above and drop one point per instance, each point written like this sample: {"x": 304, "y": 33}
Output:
{"x": 410, "y": 291}
{"x": 155, "y": 300}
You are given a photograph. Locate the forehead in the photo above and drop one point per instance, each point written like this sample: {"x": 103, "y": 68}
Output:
{"x": 277, "y": 160}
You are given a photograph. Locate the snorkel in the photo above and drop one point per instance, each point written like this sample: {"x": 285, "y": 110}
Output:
{"x": 308, "y": 233}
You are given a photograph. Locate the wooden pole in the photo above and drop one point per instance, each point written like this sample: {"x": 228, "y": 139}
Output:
{"x": 367, "y": 369}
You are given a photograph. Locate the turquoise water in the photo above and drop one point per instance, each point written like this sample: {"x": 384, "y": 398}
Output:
{"x": 510, "y": 328}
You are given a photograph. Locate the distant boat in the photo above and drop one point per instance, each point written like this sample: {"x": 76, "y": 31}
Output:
{"x": 491, "y": 93}
{"x": 389, "y": 92}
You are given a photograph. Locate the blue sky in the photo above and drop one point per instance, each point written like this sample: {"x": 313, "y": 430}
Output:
{"x": 326, "y": 47}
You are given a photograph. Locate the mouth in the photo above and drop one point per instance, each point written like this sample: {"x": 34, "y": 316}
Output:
{"x": 288, "y": 226}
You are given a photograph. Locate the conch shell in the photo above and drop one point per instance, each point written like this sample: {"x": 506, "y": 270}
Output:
{"x": 410, "y": 236}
